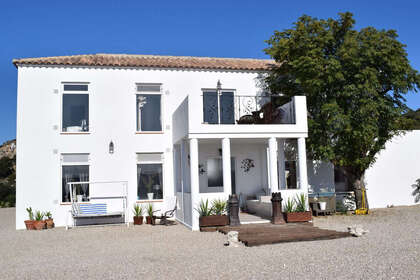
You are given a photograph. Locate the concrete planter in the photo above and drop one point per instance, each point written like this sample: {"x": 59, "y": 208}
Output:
{"x": 214, "y": 220}
{"x": 298, "y": 217}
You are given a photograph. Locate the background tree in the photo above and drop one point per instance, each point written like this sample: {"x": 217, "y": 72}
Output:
{"x": 354, "y": 81}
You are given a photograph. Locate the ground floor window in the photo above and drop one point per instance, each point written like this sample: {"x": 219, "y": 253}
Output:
{"x": 149, "y": 176}
{"x": 75, "y": 168}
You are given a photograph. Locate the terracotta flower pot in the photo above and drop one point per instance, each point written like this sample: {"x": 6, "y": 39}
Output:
{"x": 214, "y": 220}
{"x": 297, "y": 217}
{"x": 50, "y": 223}
{"x": 138, "y": 220}
{"x": 40, "y": 225}
{"x": 150, "y": 220}
{"x": 30, "y": 224}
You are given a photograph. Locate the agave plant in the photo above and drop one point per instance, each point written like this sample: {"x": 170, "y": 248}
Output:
{"x": 416, "y": 191}
{"x": 150, "y": 210}
{"x": 39, "y": 216}
{"x": 289, "y": 206}
{"x": 48, "y": 215}
{"x": 300, "y": 202}
{"x": 30, "y": 213}
{"x": 219, "y": 206}
{"x": 138, "y": 210}
{"x": 204, "y": 209}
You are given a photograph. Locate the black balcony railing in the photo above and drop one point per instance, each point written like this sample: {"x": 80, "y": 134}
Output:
{"x": 227, "y": 108}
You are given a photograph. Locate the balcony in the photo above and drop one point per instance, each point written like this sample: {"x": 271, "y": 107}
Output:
{"x": 239, "y": 116}
{"x": 227, "y": 108}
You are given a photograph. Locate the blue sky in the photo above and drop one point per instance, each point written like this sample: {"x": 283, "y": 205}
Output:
{"x": 193, "y": 28}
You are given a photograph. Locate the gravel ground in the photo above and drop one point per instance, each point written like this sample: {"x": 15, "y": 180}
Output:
{"x": 391, "y": 250}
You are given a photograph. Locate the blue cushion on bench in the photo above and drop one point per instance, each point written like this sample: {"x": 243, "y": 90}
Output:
{"x": 93, "y": 208}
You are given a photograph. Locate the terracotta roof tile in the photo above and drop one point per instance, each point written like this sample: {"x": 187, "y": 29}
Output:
{"x": 154, "y": 61}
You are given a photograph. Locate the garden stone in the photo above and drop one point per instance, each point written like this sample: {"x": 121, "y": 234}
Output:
{"x": 357, "y": 231}
{"x": 232, "y": 239}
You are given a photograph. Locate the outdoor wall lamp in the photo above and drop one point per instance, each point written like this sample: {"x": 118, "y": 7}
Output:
{"x": 111, "y": 147}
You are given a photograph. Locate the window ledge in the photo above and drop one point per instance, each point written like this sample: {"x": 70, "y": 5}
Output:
{"x": 149, "y": 201}
{"x": 75, "y": 133}
{"x": 69, "y": 203}
{"x": 149, "y": 132}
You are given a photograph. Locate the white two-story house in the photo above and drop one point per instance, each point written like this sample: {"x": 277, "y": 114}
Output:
{"x": 192, "y": 127}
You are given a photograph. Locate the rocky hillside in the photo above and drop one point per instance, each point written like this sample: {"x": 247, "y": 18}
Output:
{"x": 8, "y": 149}
{"x": 8, "y": 174}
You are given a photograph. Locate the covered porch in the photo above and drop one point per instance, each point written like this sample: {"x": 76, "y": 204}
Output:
{"x": 252, "y": 168}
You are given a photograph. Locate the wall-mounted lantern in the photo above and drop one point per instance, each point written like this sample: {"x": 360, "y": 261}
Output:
{"x": 111, "y": 147}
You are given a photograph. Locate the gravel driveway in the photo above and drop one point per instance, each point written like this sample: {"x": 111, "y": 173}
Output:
{"x": 390, "y": 251}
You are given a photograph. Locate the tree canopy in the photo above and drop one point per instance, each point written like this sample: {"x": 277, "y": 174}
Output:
{"x": 354, "y": 81}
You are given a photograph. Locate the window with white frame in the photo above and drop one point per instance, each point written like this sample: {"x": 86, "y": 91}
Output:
{"x": 149, "y": 107}
{"x": 75, "y": 108}
{"x": 149, "y": 176}
{"x": 74, "y": 168}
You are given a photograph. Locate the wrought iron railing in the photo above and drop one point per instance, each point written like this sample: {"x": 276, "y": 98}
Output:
{"x": 227, "y": 108}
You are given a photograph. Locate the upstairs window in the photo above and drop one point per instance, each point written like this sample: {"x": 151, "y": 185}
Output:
{"x": 75, "y": 109}
{"x": 148, "y": 107}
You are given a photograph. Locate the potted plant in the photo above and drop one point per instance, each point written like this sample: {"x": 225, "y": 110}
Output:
{"x": 298, "y": 213}
{"x": 39, "y": 220}
{"x": 49, "y": 220}
{"x": 138, "y": 214}
{"x": 30, "y": 223}
{"x": 150, "y": 218}
{"x": 214, "y": 215}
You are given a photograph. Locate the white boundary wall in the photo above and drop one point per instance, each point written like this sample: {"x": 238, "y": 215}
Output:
{"x": 397, "y": 167}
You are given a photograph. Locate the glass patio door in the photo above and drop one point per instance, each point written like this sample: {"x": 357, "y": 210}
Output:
{"x": 211, "y": 110}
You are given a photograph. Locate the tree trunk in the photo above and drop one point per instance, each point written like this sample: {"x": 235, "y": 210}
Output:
{"x": 356, "y": 183}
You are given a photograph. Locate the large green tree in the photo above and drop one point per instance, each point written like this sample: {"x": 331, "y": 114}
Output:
{"x": 354, "y": 81}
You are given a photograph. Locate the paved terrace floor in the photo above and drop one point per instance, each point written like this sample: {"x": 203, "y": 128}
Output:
{"x": 390, "y": 251}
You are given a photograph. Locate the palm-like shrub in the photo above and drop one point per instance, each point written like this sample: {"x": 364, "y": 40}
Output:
{"x": 150, "y": 210}
{"x": 204, "y": 209}
{"x": 39, "y": 216}
{"x": 289, "y": 206}
{"x": 137, "y": 210}
{"x": 300, "y": 202}
{"x": 219, "y": 206}
{"x": 416, "y": 191}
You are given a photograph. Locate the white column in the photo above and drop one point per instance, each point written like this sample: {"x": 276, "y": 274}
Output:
{"x": 303, "y": 172}
{"x": 194, "y": 182}
{"x": 282, "y": 165}
{"x": 272, "y": 147}
{"x": 227, "y": 180}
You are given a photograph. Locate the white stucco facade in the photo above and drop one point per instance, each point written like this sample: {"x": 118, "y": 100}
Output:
{"x": 112, "y": 117}
{"x": 390, "y": 178}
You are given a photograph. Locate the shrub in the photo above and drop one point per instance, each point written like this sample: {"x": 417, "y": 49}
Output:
{"x": 289, "y": 206}
{"x": 219, "y": 207}
{"x": 204, "y": 209}
{"x": 39, "y": 216}
{"x": 138, "y": 210}
{"x": 300, "y": 202}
